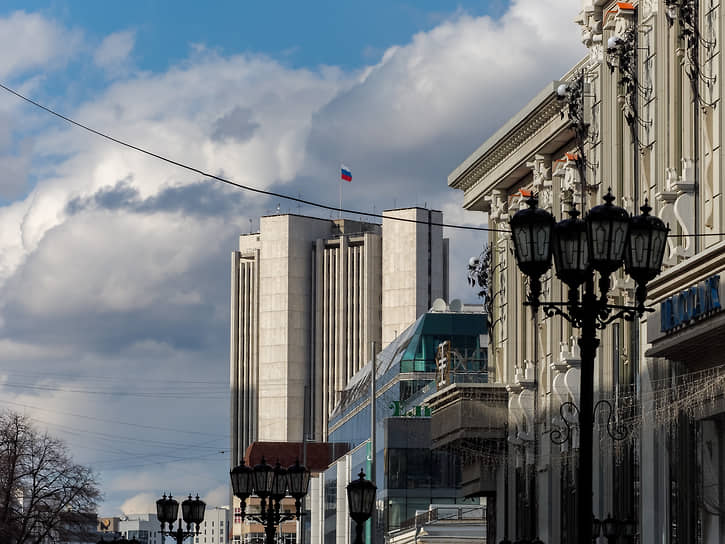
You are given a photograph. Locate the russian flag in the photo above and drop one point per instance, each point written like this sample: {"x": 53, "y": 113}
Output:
{"x": 345, "y": 173}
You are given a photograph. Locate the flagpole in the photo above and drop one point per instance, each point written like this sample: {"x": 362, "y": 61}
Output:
{"x": 340, "y": 208}
{"x": 345, "y": 175}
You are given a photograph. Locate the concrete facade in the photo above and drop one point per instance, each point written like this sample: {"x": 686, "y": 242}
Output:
{"x": 216, "y": 527}
{"x": 308, "y": 307}
{"x": 415, "y": 267}
{"x": 143, "y": 527}
{"x": 655, "y": 133}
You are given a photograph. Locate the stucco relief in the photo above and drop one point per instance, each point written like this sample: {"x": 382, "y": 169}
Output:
{"x": 542, "y": 180}
{"x": 623, "y": 22}
{"x": 569, "y": 180}
{"x": 569, "y": 359}
{"x": 527, "y": 403}
{"x": 679, "y": 209}
{"x": 499, "y": 206}
{"x": 590, "y": 21}
{"x": 515, "y": 418}
{"x": 649, "y": 8}
{"x": 572, "y": 379}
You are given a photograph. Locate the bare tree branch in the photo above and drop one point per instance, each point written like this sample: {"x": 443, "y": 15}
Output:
{"x": 44, "y": 495}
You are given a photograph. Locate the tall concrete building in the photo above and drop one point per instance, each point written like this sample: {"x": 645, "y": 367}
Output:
{"x": 309, "y": 298}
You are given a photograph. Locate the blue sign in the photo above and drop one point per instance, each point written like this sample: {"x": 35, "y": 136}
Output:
{"x": 690, "y": 304}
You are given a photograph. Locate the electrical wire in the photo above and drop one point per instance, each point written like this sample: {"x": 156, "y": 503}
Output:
{"x": 159, "y": 394}
{"x": 110, "y": 378}
{"x": 273, "y": 193}
{"x": 114, "y": 421}
{"x": 123, "y": 438}
{"x": 165, "y": 462}
{"x": 228, "y": 181}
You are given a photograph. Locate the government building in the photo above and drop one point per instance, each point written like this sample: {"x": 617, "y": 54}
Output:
{"x": 312, "y": 301}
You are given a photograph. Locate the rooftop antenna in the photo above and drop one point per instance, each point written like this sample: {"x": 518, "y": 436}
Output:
{"x": 278, "y": 207}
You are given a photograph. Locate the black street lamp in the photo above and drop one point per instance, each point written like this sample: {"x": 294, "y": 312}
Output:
{"x": 192, "y": 511}
{"x": 360, "y": 500}
{"x": 600, "y": 244}
{"x": 596, "y": 529}
{"x": 614, "y": 528}
{"x": 610, "y": 528}
{"x": 271, "y": 485}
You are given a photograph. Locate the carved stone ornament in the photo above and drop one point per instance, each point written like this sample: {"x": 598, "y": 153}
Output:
{"x": 679, "y": 209}
{"x": 499, "y": 206}
{"x": 590, "y": 20}
{"x": 649, "y": 8}
{"x": 542, "y": 181}
{"x": 569, "y": 179}
{"x": 623, "y": 21}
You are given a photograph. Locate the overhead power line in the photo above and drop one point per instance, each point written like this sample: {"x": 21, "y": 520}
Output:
{"x": 273, "y": 193}
{"x": 155, "y": 394}
{"x": 108, "y": 378}
{"x": 113, "y": 421}
{"x": 228, "y": 181}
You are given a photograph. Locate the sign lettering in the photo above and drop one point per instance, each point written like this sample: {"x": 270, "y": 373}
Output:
{"x": 690, "y": 304}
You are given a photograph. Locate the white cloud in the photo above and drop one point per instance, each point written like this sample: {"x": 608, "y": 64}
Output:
{"x": 219, "y": 496}
{"x": 117, "y": 263}
{"x": 143, "y": 503}
{"x": 112, "y": 55}
{"x": 30, "y": 42}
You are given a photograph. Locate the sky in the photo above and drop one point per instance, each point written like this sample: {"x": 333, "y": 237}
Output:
{"x": 114, "y": 266}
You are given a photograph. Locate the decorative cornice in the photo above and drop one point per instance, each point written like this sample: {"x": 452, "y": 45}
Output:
{"x": 532, "y": 120}
{"x": 509, "y": 144}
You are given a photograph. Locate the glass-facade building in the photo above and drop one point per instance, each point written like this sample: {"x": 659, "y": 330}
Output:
{"x": 409, "y": 475}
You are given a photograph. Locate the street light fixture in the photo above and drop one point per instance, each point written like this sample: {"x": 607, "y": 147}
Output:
{"x": 360, "y": 499}
{"x": 596, "y": 529}
{"x": 601, "y": 243}
{"x": 271, "y": 485}
{"x": 629, "y": 529}
{"x": 192, "y": 511}
{"x": 610, "y": 528}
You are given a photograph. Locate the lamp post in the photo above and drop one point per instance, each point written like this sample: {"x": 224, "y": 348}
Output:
{"x": 613, "y": 528}
{"x": 360, "y": 500}
{"x": 598, "y": 245}
{"x": 192, "y": 511}
{"x": 271, "y": 485}
{"x": 596, "y": 529}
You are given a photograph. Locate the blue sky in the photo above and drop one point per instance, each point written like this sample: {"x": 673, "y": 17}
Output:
{"x": 340, "y": 33}
{"x": 114, "y": 266}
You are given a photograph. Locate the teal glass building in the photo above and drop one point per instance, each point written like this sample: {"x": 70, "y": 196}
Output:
{"x": 409, "y": 475}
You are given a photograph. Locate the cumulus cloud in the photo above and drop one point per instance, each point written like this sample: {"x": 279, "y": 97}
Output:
{"x": 36, "y": 43}
{"x": 238, "y": 124}
{"x": 112, "y": 55}
{"x": 143, "y": 503}
{"x": 219, "y": 496}
{"x": 445, "y": 92}
{"x": 116, "y": 263}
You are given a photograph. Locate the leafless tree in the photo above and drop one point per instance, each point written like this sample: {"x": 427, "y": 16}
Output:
{"x": 44, "y": 495}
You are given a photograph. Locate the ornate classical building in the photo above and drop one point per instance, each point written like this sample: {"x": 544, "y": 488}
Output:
{"x": 650, "y": 96}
